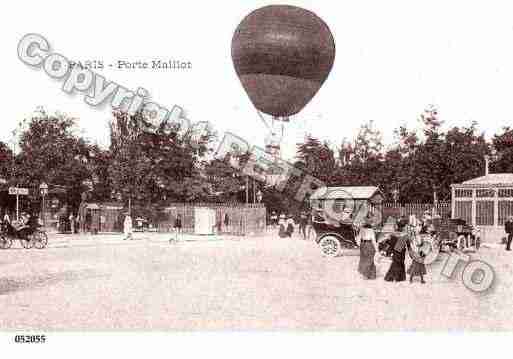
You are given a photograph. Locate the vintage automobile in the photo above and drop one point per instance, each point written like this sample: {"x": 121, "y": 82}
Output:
{"x": 456, "y": 234}
{"x": 332, "y": 237}
{"x": 337, "y": 236}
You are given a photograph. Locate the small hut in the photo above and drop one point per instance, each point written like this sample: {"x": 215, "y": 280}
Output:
{"x": 362, "y": 200}
{"x": 101, "y": 217}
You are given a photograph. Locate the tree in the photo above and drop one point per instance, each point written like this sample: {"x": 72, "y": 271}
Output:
{"x": 6, "y": 161}
{"x": 51, "y": 152}
{"x": 503, "y": 146}
{"x": 158, "y": 165}
{"x": 442, "y": 159}
{"x": 317, "y": 159}
{"x": 361, "y": 161}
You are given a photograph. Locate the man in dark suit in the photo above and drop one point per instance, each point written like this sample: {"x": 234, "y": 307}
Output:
{"x": 508, "y": 226}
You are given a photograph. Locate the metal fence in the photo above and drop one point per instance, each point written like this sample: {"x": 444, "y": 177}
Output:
{"x": 235, "y": 219}
{"x": 418, "y": 209}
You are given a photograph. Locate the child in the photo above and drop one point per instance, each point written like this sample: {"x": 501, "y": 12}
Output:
{"x": 417, "y": 267}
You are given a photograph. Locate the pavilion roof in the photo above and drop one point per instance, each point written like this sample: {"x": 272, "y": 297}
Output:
{"x": 345, "y": 192}
{"x": 490, "y": 180}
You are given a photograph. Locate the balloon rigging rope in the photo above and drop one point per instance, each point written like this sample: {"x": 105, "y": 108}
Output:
{"x": 263, "y": 120}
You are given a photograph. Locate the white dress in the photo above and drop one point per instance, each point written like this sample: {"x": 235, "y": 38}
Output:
{"x": 127, "y": 225}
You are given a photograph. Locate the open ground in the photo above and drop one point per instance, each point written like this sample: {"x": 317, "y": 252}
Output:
{"x": 232, "y": 283}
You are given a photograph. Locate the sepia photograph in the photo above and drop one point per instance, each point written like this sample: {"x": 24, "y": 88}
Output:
{"x": 333, "y": 171}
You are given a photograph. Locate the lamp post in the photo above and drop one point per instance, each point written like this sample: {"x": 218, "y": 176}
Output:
{"x": 43, "y": 187}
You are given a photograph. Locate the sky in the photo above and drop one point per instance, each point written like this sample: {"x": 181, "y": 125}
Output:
{"x": 393, "y": 59}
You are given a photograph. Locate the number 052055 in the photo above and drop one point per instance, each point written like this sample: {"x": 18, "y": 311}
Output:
{"x": 30, "y": 339}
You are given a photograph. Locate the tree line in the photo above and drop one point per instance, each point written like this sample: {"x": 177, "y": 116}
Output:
{"x": 168, "y": 164}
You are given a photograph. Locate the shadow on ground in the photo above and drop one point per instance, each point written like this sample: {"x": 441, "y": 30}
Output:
{"x": 15, "y": 284}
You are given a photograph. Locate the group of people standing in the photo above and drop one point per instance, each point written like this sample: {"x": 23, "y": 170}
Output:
{"x": 286, "y": 225}
{"x": 396, "y": 247}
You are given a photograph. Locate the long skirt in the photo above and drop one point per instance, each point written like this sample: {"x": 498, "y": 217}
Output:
{"x": 366, "y": 266}
{"x": 397, "y": 270}
{"x": 417, "y": 268}
{"x": 281, "y": 232}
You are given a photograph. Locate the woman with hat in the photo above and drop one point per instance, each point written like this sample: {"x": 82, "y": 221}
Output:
{"x": 397, "y": 249}
{"x": 368, "y": 249}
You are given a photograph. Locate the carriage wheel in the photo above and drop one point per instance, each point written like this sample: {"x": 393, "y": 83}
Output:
{"x": 27, "y": 243}
{"x": 330, "y": 246}
{"x": 5, "y": 242}
{"x": 40, "y": 239}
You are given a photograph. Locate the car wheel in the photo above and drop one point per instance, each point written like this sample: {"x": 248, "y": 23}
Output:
{"x": 27, "y": 243}
{"x": 40, "y": 240}
{"x": 330, "y": 246}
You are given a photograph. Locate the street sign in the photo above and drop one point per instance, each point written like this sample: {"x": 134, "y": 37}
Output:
{"x": 18, "y": 191}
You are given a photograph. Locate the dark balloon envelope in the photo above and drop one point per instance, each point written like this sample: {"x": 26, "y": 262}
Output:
{"x": 282, "y": 55}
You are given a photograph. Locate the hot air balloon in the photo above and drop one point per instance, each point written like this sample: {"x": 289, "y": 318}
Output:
{"x": 282, "y": 55}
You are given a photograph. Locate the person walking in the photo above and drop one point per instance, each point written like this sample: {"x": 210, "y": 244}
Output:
{"x": 282, "y": 233}
{"x": 303, "y": 222}
{"x": 127, "y": 227}
{"x": 368, "y": 250}
{"x": 309, "y": 227}
{"x": 508, "y": 227}
{"x": 72, "y": 223}
{"x": 290, "y": 226}
{"x": 6, "y": 219}
{"x": 274, "y": 220}
{"x": 417, "y": 266}
{"x": 397, "y": 249}
{"x": 227, "y": 226}
{"x": 88, "y": 222}
{"x": 177, "y": 227}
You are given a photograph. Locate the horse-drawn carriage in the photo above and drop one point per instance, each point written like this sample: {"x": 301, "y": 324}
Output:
{"x": 29, "y": 235}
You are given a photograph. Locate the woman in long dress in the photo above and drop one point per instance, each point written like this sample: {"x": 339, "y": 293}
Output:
{"x": 127, "y": 227}
{"x": 282, "y": 232}
{"x": 397, "y": 249}
{"x": 368, "y": 249}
